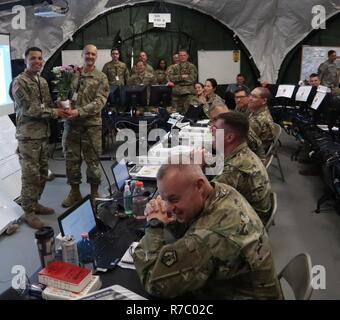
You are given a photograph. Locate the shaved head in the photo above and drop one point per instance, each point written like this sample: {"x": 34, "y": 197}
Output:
{"x": 184, "y": 188}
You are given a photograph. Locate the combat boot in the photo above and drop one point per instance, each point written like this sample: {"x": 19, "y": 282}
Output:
{"x": 40, "y": 209}
{"x": 94, "y": 191}
{"x": 33, "y": 221}
{"x": 73, "y": 197}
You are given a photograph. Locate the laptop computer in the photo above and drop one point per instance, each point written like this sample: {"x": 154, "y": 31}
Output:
{"x": 121, "y": 173}
{"x": 194, "y": 113}
{"x": 81, "y": 218}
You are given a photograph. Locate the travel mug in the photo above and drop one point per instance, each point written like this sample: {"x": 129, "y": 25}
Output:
{"x": 45, "y": 242}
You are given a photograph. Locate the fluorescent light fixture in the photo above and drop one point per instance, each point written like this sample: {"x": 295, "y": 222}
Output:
{"x": 51, "y": 10}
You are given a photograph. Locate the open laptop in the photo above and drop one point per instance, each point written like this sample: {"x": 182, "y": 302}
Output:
{"x": 81, "y": 218}
{"x": 121, "y": 173}
{"x": 194, "y": 113}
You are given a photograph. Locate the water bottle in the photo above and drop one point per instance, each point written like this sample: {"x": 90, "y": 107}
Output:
{"x": 127, "y": 199}
{"x": 139, "y": 200}
{"x": 85, "y": 252}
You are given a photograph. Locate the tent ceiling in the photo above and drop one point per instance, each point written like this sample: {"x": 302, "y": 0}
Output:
{"x": 269, "y": 31}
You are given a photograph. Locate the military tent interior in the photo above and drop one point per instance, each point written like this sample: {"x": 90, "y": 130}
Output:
{"x": 270, "y": 35}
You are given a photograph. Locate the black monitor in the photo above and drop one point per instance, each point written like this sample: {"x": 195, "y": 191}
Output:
{"x": 194, "y": 113}
{"x": 134, "y": 96}
{"x": 114, "y": 96}
{"x": 160, "y": 96}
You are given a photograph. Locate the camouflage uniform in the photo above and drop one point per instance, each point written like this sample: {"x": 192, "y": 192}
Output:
{"x": 244, "y": 171}
{"x": 244, "y": 111}
{"x": 262, "y": 123}
{"x": 184, "y": 90}
{"x": 83, "y": 135}
{"x": 148, "y": 69}
{"x": 146, "y": 79}
{"x": 114, "y": 70}
{"x": 161, "y": 76}
{"x": 32, "y": 133}
{"x": 329, "y": 74}
{"x": 214, "y": 98}
{"x": 255, "y": 144}
{"x": 223, "y": 254}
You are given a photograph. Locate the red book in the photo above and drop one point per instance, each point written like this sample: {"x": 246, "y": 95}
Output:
{"x": 66, "y": 276}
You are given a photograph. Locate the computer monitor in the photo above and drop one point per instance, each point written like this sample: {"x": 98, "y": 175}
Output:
{"x": 135, "y": 96}
{"x": 120, "y": 174}
{"x": 114, "y": 96}
{"x": 78, "y": 219}
{"x": 160, "y": 96}
{"x": 194, "y": 113}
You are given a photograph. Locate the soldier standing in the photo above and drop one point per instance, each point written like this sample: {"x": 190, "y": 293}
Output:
{"x": 223, "y": 251}
{"x": 116, "y": 71}
{"x": 328, "y": 72}
{"x": 184, "y": 76}
{"x": 83, "y": 129}
{"x": 144, "y": 58}
{"x": 34, "y": 108}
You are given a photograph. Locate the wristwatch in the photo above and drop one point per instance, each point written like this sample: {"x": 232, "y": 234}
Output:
{"x": 155, "y": 223}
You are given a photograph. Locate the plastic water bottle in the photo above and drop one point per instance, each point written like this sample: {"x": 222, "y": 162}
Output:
{"x": 139, "y": 200}
{"x": 127, "y": 199}
{"x": 85, "y": 252}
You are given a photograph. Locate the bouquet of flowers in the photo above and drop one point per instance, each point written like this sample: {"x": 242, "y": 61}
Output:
{"x": 64, "y": 76}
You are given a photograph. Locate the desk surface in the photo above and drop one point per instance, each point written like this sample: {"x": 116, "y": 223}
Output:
{"x": 125, "y": 277}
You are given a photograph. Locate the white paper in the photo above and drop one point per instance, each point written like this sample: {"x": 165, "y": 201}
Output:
{"x": 317, "y": 100}
{"x": 285, "y": 90}
{"x": 303, "y": 93}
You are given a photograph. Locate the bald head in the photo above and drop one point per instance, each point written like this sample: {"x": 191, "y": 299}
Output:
{"x": 188, "y": 171}
{"x": 184, "y": 188}
{"x": 89, "y": 56}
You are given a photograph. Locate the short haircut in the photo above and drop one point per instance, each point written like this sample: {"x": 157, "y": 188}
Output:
{"x": 219, "y": 104}
{"x": 213, "y": 82}
{"x": 313, "y": 75}
{"x": 241, "y": 75}
{"x": 264, "y": 93}
{"x": 237, "y": 122}
{"x": 330, "y": 52}
{"x": 183, "y": 50}
{"x": 27, "y": 52}
{"x": 242, "y": 88}
{"x": 188, "y": 169}
{"x": 115, "y": 49}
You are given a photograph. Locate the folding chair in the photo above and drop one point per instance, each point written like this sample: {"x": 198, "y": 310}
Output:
{"x": 298, "y": 274}
{"x": 272, "y": 151}
{"x": 273, "y": 200}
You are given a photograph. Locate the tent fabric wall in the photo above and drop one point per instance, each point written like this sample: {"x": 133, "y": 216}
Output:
{"x": 188, "y": 29}
{"x": 290, "y": 69}
{"x": 269, "y": 30}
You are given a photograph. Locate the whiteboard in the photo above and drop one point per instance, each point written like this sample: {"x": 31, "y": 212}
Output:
{"x": 74, "y": 57}
{"x": 217, "y": 64}
{"x": 312, "y": 57}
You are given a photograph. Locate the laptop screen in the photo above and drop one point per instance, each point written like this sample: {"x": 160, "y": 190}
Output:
{"x": 78, "y": 219}
{"x": 120, "y": 174}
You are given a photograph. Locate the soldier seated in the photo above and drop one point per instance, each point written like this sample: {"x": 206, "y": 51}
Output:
{"x": 222, "y": 250}
{"x": 142, "y": 77}
{"x": 243, "y": 170}
{"x": 260, "y": 119}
